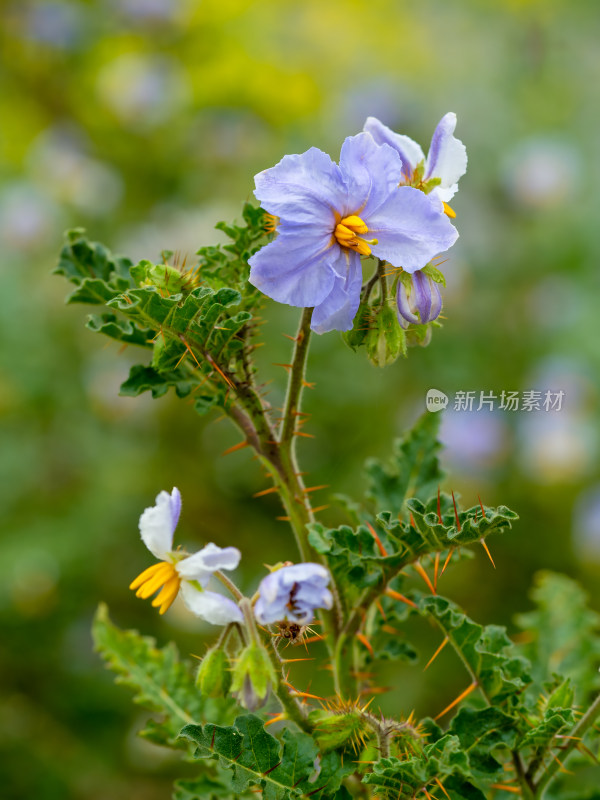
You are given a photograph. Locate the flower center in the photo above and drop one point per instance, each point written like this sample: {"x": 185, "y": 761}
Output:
{"x": 161, "y": 576}
{"x": 346, "y": 232}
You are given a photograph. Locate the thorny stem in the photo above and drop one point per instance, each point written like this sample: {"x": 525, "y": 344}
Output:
{"x": 524, "y": 783}
{"x": 577, "y": 733}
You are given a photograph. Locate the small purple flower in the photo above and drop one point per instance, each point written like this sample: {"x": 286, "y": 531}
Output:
{"x": 293, "y": 593}
{"x": 446, "y": 160}
{"x": 421, "y": 303}
{"x": 325, "y": 210}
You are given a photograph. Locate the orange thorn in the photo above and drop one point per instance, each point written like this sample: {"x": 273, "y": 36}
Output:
{"x": 456, "y": 513}
{"x": 277, "y": 718}
{"x": 376, "y": 690}
{"x": 487, "y": 550}
{"x": 316, "y": 488}
{"x": 425, "y": 576}
{"x": 436, "y": 566}
{"x": 397, "y": 596}
{"x": 270, "y": 490}
{"x": 319, "y": 508}
{"x": 283, "y": 519}
{"x": 310, "y": 640}
{"x": 460, "y": 697}
{"x": 447, "y": 561}
{"x": 441, "y": 785}
{"x": 374, "y": 534}
{"x": 307, "y": 435}
{"x": 436, "y": 654}
{"x": 505, "y": 788}
{"x": 363, "y": 640}
{"x": 285, "y": 366}
{"x": 391, "y": 630}
{"x": 292, "y": 660}
{"x": 481, "y": 504}
{"x": 308, "y": 385}
{"x": 380, "y": 609}
{"x": 239, "y": 446}
{"x": 291, "y": 338}
{"x": 412, "y": 520}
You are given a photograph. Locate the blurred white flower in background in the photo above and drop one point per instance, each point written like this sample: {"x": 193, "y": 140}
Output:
{"x": 29, "y": 218}
{"x": 143, "y": 90}
{"x": 58, "y": 161}
{"x": 586, "y": 524}
{"x": 542, "y": 172}
{"x": 474, "y": 441}
{"x": 559, "y": 446}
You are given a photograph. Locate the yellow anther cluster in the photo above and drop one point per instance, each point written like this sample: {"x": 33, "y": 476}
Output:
{"x": 347, "y": 234}
{"x": 152, "y": 579}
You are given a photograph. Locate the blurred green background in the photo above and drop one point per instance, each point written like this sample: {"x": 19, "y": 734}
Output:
{"x": 144, "y": 121}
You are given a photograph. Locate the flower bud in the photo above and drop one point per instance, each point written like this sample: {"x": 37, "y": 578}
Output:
{"x": 214, "y": 675}
{"x": 385, "y": 340}
{"x": 253, "y": 675}
{"x": 335, "y": 730}
{"x": 419, "y": 301}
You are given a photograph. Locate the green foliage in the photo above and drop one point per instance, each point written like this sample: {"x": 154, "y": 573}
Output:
{"x": 282, "y": 770}
{"x": 197, "y": 320}
{"x": 487, "y": 652}
{"x": 413, "y": 470}
{"x": 562, "y": 634}
{"x": 162, "y": 682}
{"x": 399, "y": 779}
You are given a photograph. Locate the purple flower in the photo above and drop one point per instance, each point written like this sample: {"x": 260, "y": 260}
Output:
{"x": 293, "y": 593}
{"x": 446, "y": 160}
{"x": 330, "y": 216}
{"x": 421, "y": 302}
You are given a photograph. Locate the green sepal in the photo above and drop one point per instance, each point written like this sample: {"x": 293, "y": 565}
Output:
{"x": 253, "y": 675}
{"x": 214, "y": 673}
{"x": 434, "y": 273}
{"x": 357, "y": 335}
{"x": 385, "y": 339}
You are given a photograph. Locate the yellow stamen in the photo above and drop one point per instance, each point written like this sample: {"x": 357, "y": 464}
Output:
{"x": 145, "y": 575}
{"x": 346, "y": 233}
{"x": 449, "y": 211}
{"x": 161, "y": 576}
{"x": 167, "y": 594}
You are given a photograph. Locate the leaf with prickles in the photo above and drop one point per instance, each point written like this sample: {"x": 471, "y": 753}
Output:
{"x": 256, "y": 758}
{"x": 487, "y": 652}
{"x": 162, "y": 682}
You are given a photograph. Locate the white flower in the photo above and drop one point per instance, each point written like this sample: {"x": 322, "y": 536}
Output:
{"x": 177, "y": 571}
{"x": 446, "y": 160}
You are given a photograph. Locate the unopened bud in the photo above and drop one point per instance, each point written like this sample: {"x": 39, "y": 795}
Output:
{"x": 418, "y": 298}
{"x": 385, "y": 340}
{"x": 253, "y": 675}
{"x": 214, "y": 675}
{"x": 335, "y": 730}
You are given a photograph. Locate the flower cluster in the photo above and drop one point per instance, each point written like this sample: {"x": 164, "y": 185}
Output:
{"x": 290, "y": 593}
{"x": 384, "y": 199}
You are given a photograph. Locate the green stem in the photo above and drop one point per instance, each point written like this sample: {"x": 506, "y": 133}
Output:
{"x": 296, "y": 381}
{"x": 577, "y": 733}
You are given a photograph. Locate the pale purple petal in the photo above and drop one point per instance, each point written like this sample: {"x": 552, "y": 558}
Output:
{"x": 212, "y": 607}
{"x": 411, "y": 229}
{"x": 423, "y": 298}
{"x": 293, "y": 593}
{"x": 409, "y": 151}
{"x": 201, "y": 565}
{"x": 295, "y": 268}
{"x": 447, "y": 158}
{"x": 157, "y": 523}
{"x": 304, "y": 187}
{"x": 338, "y": 309}
{"x": 371, "y": 172}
